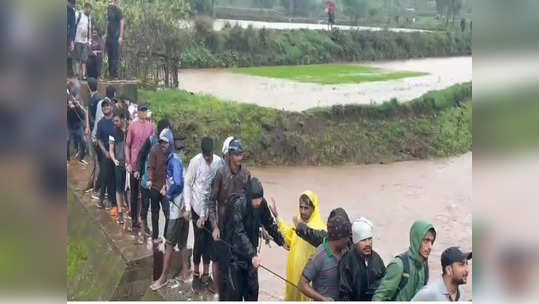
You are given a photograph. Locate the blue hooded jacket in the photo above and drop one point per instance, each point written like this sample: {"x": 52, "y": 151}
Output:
{"x": 174, "y": 176}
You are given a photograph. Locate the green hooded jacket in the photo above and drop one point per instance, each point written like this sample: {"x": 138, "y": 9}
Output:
{"x": 389, "y": 287}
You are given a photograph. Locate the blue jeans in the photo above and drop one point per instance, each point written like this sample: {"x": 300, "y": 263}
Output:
{"x": 76, "y": 136}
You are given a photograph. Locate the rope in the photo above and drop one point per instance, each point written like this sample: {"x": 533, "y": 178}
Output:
{"x": 261, "y": 266}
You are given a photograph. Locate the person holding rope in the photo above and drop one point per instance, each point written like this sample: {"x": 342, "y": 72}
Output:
{"x": 247, "y": 213}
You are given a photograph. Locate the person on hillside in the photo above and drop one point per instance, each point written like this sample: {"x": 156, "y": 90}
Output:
{"x": 142, "y": 172}
{"x": 95, "y": 57}
{"x": 137, "y": 134}
{"x": 114, "y": 37}
{"x": 75, "y": 119}
{"x": 321, "y": 270}
{"x": 105, "y": 128}
{"x": 408, "y": 272}
{"x": 178, "y": 217}
{"x": 361, "y": 269}
{"x": 300, "y": 250}
{"x": 117, "y": 155}
{"x": 95, "y": 97}
{"x": 454, "y": 273}
{"x": 247, "y": 212}
{"x": 83, "y": 39}
{"x": 157, "y": 176}
{"x": 233, "y": 177}
{"x": 201, "y": 171}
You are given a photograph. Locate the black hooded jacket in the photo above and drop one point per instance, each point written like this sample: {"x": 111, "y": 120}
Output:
{"x": 244, "y": 222}
{"x": 357, "y": 281}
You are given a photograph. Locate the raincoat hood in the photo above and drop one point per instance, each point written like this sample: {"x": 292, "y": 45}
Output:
{"x": 315, "y": 221}
{"x": 417, "y": 234}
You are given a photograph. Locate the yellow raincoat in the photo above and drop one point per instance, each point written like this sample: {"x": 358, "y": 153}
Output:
{"x": 300, "y": 250}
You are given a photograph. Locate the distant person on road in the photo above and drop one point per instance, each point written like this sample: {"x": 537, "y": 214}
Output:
{"x": 463, "y": 25}
{"x": 330, "y": 10}
{"x": 361, "y": 268}
{"x": 200, "y": 173}
{"x": 408, "y": 272}
{"x": 114, "y": 37}
{"x": 300, "y": 250}
{"x": 454, "y": 273}
{"x": 322, "y": 268}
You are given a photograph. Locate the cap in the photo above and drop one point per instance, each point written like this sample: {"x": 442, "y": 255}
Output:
{"x": 163, "y": 135}
{"x": 454, "y": 254}
{"x": 362, "y": 229}
{"x": 235, "y": 147}
{"x": 106, "y": 100}
{"x": 142, "y": 107}
{"x": 338, "y": 226}
{"x": 255, "y": 188}
{"x": 226, "y": 143}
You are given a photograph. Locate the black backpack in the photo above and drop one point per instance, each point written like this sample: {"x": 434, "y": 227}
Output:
{"x": 406, "y": 272}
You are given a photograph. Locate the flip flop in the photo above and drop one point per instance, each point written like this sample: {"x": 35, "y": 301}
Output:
{"x": 156, "y": 287}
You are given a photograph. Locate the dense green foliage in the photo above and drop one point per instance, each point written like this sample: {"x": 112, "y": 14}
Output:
{"x": 235, "y": 46}
{"x": 437, "y": 124}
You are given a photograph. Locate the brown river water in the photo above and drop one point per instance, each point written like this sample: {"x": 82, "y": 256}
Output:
{"x": 393, "y": 196}
{"x": 297, "y": 96}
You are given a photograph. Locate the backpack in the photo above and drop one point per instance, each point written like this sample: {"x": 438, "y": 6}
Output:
{"x": 406, "y": 272}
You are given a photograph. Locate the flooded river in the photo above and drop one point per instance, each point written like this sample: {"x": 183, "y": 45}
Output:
{"x": 297, "y": 96}
{"x": 392, "y": 196}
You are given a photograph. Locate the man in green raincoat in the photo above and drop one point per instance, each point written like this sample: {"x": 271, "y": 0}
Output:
{"x": 408, "y": 272}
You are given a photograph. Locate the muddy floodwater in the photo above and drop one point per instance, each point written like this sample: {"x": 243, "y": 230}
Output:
{"x": 297, "y": 96}
{"x": 392, "y": 196}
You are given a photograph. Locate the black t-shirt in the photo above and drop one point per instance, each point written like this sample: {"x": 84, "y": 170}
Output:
{"x": 105, "y": 128}
{"x": 75, "y": 117}
{"x": 113, "y": 27}
{"x": 119, "y": 145}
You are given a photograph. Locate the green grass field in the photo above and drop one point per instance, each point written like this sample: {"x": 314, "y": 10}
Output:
{"x": 328, "y": 73}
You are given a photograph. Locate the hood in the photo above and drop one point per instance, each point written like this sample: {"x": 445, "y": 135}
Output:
{"x": 315, "y": 221}
{"x": 417, "y": 233}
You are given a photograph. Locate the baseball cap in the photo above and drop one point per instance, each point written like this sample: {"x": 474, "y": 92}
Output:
{"x": 142, "y": 107}
{"x": 338, "y": 225}
{"x": 235, "y": 147}
{"x": 454, "y": 254}
{"x": 163, "y": 138}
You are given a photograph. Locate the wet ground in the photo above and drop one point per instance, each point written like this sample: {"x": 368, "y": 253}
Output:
{"x": 296, "y": 96}
{"x": 220, "y": 23}
{"x": 393, "y": 196}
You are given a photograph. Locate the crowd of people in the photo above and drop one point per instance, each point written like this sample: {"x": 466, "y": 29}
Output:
{"x": 135, "y": 165}
{"x": 86, "y": 43}
{"x": 135, "y": 168}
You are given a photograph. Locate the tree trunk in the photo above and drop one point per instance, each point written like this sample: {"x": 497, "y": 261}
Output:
{"x": 166, "y": 69}
{"x": 175, "y": 74}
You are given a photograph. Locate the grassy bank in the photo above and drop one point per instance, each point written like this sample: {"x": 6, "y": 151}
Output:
{"x": 435, "y": 125}
{"x": 238, "y": 47}
{"x": 328, "y": 74}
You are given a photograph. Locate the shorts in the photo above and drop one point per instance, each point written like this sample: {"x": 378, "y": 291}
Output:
{"x": 119, "y": 174}
{"x": 177, "y": 232}
{"x": 81, "y": 52}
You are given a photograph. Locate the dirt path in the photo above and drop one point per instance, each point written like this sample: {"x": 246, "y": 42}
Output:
{"x": 296, "y": 96}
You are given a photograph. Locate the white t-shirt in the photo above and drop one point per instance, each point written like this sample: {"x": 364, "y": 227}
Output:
{"x": 83, "y": 28}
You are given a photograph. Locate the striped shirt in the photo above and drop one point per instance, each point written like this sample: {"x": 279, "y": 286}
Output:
{"x": 321, "y": 270}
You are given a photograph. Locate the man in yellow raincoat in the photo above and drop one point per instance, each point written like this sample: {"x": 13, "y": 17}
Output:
{"x": 300, "y": 250}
